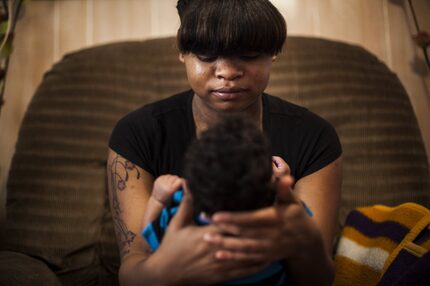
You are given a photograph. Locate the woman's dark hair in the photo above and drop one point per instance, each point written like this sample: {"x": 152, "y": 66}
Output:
{"x": 230, "y": 168}
{"x": 182, "y": 5}
{"x": 230, "y": 27}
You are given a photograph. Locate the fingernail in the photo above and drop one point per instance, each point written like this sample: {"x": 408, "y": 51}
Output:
{"x": 230, "y": 229}
{"x": 222, "y": 255}
{"x": 208, "y": 237}
{"x": 219, "y": 255}
{"x": 219, "y": 217}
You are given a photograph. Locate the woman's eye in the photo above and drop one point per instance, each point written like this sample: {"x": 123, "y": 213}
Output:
{"x": 207, "y": 59}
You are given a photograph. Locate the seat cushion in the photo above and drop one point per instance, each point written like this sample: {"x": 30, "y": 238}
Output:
{"x": 18, "y": 269}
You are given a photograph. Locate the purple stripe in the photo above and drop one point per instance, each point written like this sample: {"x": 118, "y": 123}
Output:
{"x": 390, "y": 229}
{"x": 423, "y": 237}
{"x": 397, "y": 268}
{"x": 406, "y": 270}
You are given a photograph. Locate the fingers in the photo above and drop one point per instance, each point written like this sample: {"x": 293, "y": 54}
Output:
{"x": 280, "y": 167}
{"x": 246, "y": 245}
{"x": 165, "y": 186}
{"x": 261, "y": 217}
{"x": 284, "y": 191}
{"x": 177, "y": 183}
{"x": 281, "y": 171}
{"x": 247, "y": 251}
{"x": 184, "y": 216}
{"x": 248, "y": 258}
{"x": 174, "y": 183}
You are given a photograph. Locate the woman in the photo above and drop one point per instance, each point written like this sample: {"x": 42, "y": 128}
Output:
{"x": 227, "y": 47}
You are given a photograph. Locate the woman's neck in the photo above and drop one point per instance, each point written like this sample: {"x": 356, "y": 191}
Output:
{"x": 205, "y": 116}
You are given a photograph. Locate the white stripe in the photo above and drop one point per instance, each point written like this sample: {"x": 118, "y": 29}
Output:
{"x": 373, "y": 257}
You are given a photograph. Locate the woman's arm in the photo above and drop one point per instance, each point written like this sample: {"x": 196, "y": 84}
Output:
{"x": 321, "y": 192}
{"x": 285, "y": 231}
{"x": 129, "y": 190}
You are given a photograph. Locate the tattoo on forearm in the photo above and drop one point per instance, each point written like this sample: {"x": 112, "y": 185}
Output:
{"x": 119, "y": 173}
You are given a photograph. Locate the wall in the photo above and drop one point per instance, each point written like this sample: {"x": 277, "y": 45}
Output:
{"x": 49, "y": 29}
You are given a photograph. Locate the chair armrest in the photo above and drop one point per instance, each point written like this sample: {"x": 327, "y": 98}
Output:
{"x": 19, "y": 269}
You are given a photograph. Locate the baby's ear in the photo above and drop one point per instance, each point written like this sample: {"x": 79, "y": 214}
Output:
{"x": 204, "y": 217}
{"x": 181, "y": 57}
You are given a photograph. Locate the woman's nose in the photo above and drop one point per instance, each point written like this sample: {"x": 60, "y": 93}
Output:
{"x": 228, "y": 69}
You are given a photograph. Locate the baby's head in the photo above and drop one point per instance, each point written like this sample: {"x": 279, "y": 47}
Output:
{"x": 230, "y": 27}
{"x": 230, "y": 168}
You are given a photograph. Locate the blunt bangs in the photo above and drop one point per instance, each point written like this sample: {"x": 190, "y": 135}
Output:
{"x": 231, "y": 27}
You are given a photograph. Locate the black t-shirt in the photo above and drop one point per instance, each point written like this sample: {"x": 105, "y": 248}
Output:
{"x": 156, "y": 136}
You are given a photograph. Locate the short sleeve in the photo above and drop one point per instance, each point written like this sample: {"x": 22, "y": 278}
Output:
{"x": 321, "y": 145}
{"x": 133, "y": 138}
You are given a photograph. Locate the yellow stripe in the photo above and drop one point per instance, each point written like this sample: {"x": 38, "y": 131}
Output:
{"x": 407, "y": 214}
{"x": 415, "y": 249}
{"x": 350, "y": 273}
{"x": 426, "y": 244}
{"x": 381, "y": 242}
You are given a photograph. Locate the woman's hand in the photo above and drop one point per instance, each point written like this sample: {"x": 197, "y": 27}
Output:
{"x": 280, "y": 232}
{"x": 189, "y": 259}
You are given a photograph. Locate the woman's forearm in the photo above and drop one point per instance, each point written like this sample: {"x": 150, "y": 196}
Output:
{"x": 141, "y": 270}
{"x": 314, "y": 267}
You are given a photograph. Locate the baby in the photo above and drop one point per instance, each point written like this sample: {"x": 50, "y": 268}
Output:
{"x": 229, "y": 168}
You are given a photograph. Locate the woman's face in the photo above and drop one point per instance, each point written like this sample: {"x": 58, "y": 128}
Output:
{"x": 228, "y": 83}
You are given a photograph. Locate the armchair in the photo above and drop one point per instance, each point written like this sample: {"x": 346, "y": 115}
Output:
{"x": 58, "y": 229}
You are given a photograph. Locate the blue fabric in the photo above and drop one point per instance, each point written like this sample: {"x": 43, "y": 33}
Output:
{"x": 149, "y": 234}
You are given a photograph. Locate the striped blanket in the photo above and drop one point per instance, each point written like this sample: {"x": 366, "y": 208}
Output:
{"x": 385, "y": 246}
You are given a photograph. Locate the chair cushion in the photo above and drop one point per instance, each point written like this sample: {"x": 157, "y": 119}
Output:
{"x": 18, "y": 269}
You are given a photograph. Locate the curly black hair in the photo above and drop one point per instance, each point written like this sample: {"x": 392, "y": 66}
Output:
{"x": 230, "y": 27}
{"x": 230, "y": 168}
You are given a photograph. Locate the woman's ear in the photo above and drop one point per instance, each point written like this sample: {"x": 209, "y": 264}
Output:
{"x": 181, "y": 57}
{"x": 274, "y": 57}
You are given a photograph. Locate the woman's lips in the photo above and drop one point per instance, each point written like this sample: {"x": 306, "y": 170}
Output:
{"x": 229, "y": 93}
